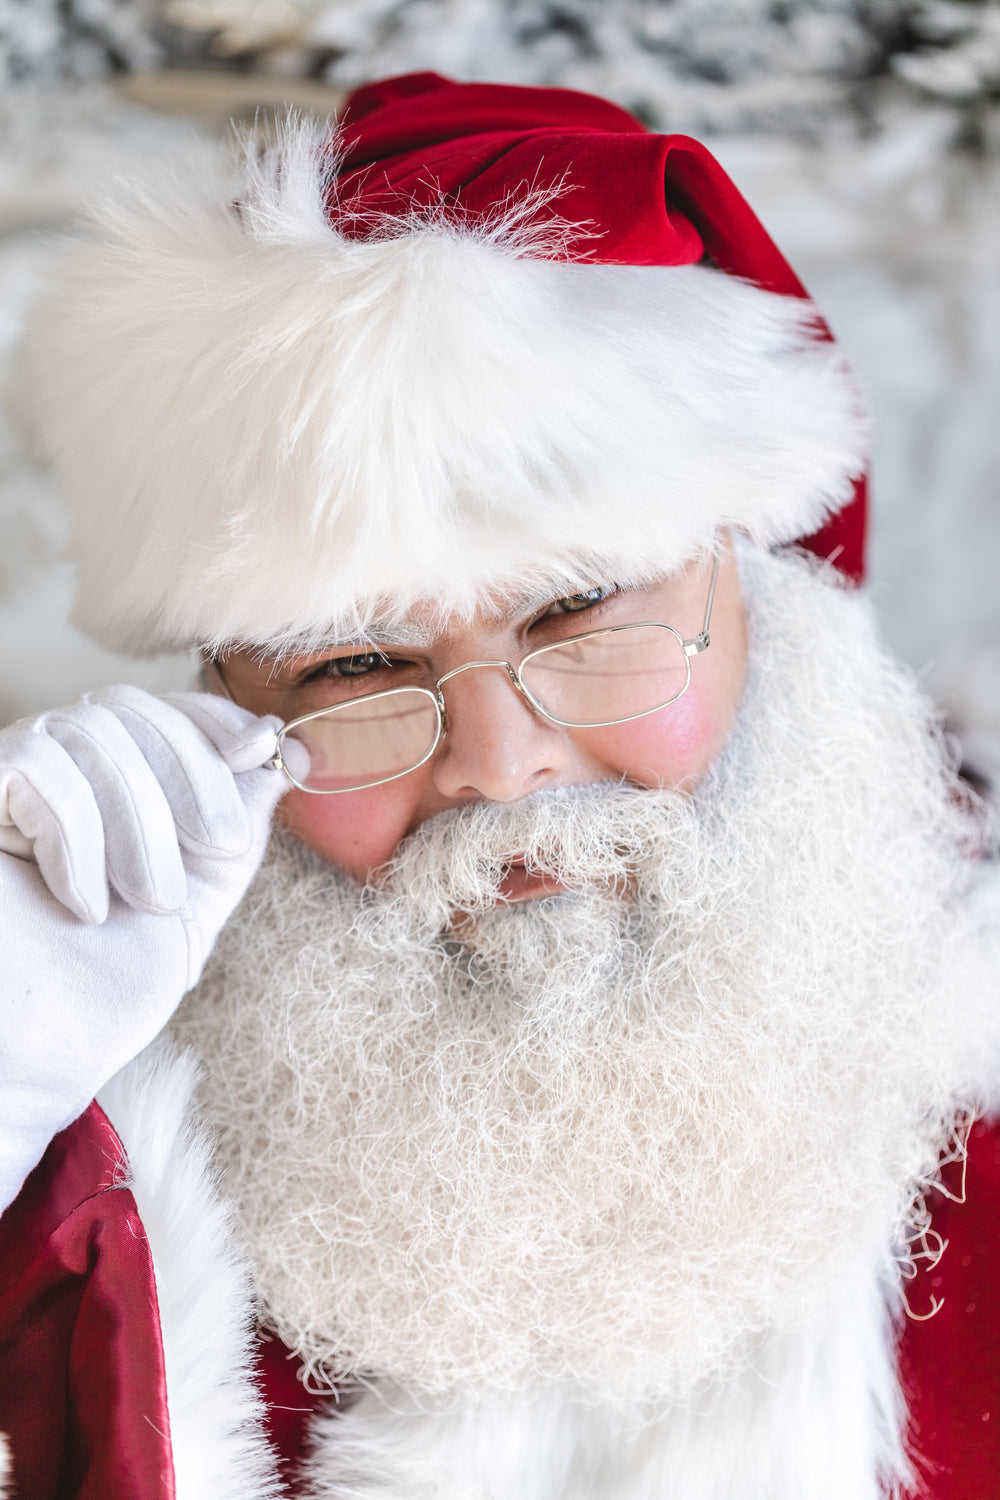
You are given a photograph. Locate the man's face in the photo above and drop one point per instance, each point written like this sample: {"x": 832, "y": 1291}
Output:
{"x": 609, "y": 1134}
{"x": 497, "y": 749}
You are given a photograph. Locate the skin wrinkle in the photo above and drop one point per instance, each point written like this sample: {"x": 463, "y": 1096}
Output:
{"x": 557, "y": 1146}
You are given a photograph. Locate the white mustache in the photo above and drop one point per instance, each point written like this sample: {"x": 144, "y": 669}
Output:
{"x": 603, "y": 836}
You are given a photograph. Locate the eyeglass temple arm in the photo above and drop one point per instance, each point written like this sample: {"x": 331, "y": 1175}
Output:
{"x": 703, "y": 640}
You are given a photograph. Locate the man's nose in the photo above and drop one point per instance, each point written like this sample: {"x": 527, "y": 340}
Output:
{"x": 496, "y": 747}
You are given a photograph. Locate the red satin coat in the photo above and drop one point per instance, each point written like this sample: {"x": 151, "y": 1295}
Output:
{"x": 82, "y": 1388}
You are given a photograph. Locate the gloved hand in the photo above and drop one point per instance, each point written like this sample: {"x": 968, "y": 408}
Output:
{"x": 130, "y": 827}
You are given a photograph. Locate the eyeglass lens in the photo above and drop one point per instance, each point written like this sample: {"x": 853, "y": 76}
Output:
{"x": 607, "y": 677}
{"x": 610, "y": 676}
{"x": 360, "y": 743}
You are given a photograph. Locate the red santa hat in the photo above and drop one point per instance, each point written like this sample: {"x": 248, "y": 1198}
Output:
{"x": 480, "y": 338}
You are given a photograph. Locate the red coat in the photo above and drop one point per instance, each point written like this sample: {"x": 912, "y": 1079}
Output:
{"x": 83, "y": 1389}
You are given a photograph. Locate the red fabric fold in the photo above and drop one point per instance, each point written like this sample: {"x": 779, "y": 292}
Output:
{"x": 83, "y": 1397}
{"x": 639, "y": 199}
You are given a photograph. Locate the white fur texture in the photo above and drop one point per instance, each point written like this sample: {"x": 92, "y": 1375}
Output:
{"x": 613, "y": 1137}
{"x": 6, "y": 1470}
{"x": 816, "y": 1416}
{"x": 270, "y": 431}
{"x": 203, "y": 1286}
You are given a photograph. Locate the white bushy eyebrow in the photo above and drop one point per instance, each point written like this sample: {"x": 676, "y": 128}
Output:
{"x": 412, "y": 635}
{"x": 401, "y": 635}
{"x": 530, "y": 600}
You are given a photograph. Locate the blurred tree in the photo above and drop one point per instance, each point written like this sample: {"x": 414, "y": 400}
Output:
{"x": 811, "y": 66}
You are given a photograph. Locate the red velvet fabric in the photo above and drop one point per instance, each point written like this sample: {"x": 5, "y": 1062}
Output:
{"x": 82, "y": 1389}
{"x": 83, "y": 1395}
{"x": 950, "y": 1362}
{"x": 288, "y": 1405}
{"x": 423, "y": 142}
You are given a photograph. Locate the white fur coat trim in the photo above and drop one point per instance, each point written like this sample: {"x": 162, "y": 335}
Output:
{"x": 273, "y": 433}
{"x": 818, "y": 1416}
{"x": 202, "y": 1284}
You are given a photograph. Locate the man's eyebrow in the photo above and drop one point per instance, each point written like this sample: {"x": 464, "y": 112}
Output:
{"x": 402, "y": 634}
{"x": 419, "y": 634}
{"x": 519, "y": 603}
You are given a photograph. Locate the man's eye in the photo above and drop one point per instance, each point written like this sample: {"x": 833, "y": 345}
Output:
{"x": 358, "y": 665}
{"x": 572, "y": 604}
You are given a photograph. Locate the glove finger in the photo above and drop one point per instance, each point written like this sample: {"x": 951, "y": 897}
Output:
{"x": 143, "y": 858}
{"x": 245, "y": 741}
{"x": 48, "y": 812}
{"x": 208, "y": 807}
{"x": 222, "y": 777}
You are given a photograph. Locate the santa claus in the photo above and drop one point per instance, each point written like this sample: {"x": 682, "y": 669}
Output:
{"x": 571, "y": 1096}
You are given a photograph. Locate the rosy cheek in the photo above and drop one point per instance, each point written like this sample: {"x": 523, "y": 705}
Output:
{"x": 355, "y": 830}
{"x": 672, "y": 749}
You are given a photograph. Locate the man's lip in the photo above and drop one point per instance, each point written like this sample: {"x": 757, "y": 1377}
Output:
{"x": 519, "y": 884}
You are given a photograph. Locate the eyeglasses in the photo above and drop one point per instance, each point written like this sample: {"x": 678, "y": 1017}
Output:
{"x": 591, "y": 681}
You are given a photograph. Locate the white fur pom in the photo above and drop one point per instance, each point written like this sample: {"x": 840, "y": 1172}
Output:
{"x": 433, "y": 411}
{"x": 203, "y": 1286}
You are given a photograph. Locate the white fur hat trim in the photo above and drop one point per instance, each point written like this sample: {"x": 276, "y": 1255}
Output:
{"x": 270, "y": 432}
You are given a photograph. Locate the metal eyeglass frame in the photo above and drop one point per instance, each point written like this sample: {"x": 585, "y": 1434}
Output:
{"x": 692, "y": 646}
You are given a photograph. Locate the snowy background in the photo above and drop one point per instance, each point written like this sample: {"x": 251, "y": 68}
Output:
{"x": 865, "y": 132}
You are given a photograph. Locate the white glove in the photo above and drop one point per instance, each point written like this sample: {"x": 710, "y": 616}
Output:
{"x": 130, "y": 827}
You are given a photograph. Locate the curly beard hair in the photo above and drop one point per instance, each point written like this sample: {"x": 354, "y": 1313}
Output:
{"x": 613, "y": 1135}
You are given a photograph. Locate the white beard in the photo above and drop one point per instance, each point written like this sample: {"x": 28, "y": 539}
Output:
{"x": 611, "y": 1137}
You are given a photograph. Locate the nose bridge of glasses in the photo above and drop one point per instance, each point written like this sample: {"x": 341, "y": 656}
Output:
{"x": 468, "y": 666}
